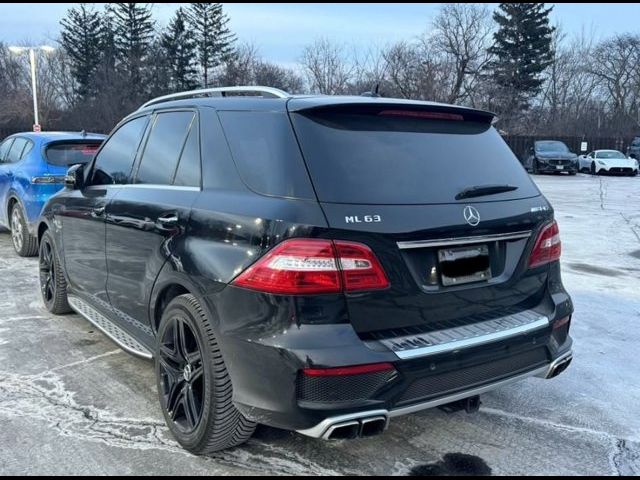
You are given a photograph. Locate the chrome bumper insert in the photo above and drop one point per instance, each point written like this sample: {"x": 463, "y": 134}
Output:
{"x": 452, "y": 339}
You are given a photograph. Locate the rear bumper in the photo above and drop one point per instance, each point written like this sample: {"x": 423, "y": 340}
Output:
{"x": 266, "y": 357}
{"x": 326, "y": 427}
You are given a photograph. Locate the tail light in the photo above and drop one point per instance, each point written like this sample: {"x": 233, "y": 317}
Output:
{"x": 547, "y": 247}
{"x": 47, "y": 180}
{"x": 311, "y": 266}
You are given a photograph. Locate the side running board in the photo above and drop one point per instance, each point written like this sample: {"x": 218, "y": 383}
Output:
{"x": 110, "y": 329}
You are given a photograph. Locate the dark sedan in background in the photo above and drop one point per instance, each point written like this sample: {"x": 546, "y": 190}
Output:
{"x": 551, "y": 156}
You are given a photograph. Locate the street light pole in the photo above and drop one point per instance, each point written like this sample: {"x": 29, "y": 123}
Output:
{"x": 32, "y": 59}
{"x": 34, "y": 85}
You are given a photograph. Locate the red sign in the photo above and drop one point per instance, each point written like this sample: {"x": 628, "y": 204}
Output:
{"x": 37, "y": 128}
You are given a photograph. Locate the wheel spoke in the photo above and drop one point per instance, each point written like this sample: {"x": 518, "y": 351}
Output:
{"x": 182, "y": 340}
{"x": 170, "y": 354}
{"x": 190, "y": 408}
{"x": 194, "y": 358}
{"x": 197, "y": 374}
{"x": 49, "y": 289}
{"x": 173, "y": 370}
{"x": 173, "y": 398}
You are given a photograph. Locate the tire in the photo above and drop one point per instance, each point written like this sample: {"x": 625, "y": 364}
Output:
{"x": 190, "y": 371}
{"x": 53, "y": 285}
{"x": 535, "y": 167}
{"x": 25, "y": 244}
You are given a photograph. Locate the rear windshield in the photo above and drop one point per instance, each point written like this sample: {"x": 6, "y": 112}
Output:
{"x": 67, "y": 154}
{"x": 384, "y": 158}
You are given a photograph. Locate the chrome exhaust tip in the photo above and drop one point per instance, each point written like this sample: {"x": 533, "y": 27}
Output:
{"x": 358, "y": 428}
{"x": 343, "y": 431}
{"x": 559, "y": 366}
{"x": 373, "y": 426}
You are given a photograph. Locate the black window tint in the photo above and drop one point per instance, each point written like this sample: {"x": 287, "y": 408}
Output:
{"x": 74, "y": 153}
{"x": 389, "y": 158}
{"x": 166, "y": 140}
{"x": 266, "y": 153}
{"x": 114, "y": 162}
{"x": 188, "y": 174}
{"x": 15, "y": 153}
{"x": 4, "y": 149}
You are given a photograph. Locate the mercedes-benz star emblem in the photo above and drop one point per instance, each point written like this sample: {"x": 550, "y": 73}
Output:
{"x": 188, "y": 372}
{"x": 472, "y": 216}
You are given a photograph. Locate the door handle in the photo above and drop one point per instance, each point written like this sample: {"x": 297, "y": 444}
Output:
{"x": 98, "y": 212}
{"x": 169, "y": 220}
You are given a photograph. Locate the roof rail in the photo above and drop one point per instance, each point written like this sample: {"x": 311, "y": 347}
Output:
{"x": 268, "y": 92}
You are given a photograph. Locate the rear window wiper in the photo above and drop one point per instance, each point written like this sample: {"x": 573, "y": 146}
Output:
{"x": 483, "y": 190}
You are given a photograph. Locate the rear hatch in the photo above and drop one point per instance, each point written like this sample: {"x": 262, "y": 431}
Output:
{"x": 442, "y": 201}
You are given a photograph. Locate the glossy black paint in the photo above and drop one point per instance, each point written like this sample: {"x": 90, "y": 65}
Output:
{"x": 121, "y": 257}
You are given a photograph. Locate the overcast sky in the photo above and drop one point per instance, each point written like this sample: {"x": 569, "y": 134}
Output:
{"x": 281, "y": 30}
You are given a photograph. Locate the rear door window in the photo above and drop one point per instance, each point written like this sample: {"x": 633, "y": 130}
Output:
{"x": 114, "y": 162}
{"x": 71, "y": 153}
{"x": 188, "y": 173}
{"x": 16, "y": 153}
{"x": 164, "y": 147}
{"x": 394, "y": 157}
{"x": 4, "y": 149}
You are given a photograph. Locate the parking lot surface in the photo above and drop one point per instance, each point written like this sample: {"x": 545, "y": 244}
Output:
{"x": 71, "y": 402}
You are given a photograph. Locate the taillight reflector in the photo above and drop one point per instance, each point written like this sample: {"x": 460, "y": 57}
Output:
{"x": 548, "y": 247}
{"x": 313, "y": 266}
{"x": 345, "y": 371}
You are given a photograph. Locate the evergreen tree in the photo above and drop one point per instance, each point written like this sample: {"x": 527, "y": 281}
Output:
{"x": 180, "y": 54}
{"x": 80, "y": 39}
{"x": 522, "y": 52}
{"x": 133, "y": 29}
{"x": 214, "y": 40}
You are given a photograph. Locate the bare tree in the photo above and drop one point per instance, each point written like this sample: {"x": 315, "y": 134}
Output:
{"x": 326, "y": 66}
{"x": 461, "y": 33}
{"x": 616, "y": 63}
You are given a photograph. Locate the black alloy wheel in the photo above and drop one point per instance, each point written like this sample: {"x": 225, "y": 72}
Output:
{"x": 182, "y": 375}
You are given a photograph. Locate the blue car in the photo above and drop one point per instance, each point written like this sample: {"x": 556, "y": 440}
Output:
{"x": 32, "y": 169}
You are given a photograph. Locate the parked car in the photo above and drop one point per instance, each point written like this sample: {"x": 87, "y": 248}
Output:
{"x": 316, "y": 263}
{"x": 32, "y": 168}
{"x": 611, "y": 162}
{"x": 633, "y": 150}
{"x": 551, "y": 156}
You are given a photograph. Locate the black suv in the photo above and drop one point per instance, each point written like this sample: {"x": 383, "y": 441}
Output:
{"x": 314, "y": 263}
{"x": 551, "y": 156}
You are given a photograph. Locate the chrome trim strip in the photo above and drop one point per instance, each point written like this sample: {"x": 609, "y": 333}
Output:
{"x": 466, "y": 394}
{"x": 146, "y": 186}
{"x": 450, "y": 346}
{"x": 443, "y": 242}
{"x": 75, "y": 304}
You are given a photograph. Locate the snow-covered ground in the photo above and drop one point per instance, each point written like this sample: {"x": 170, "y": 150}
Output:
{"x": 72, "y": 403}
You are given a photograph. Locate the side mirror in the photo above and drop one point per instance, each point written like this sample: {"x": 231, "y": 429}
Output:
{"x": 74, "y": 180}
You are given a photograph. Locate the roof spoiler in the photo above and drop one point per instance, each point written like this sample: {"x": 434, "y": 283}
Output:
{"x": 377, "y": 106}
